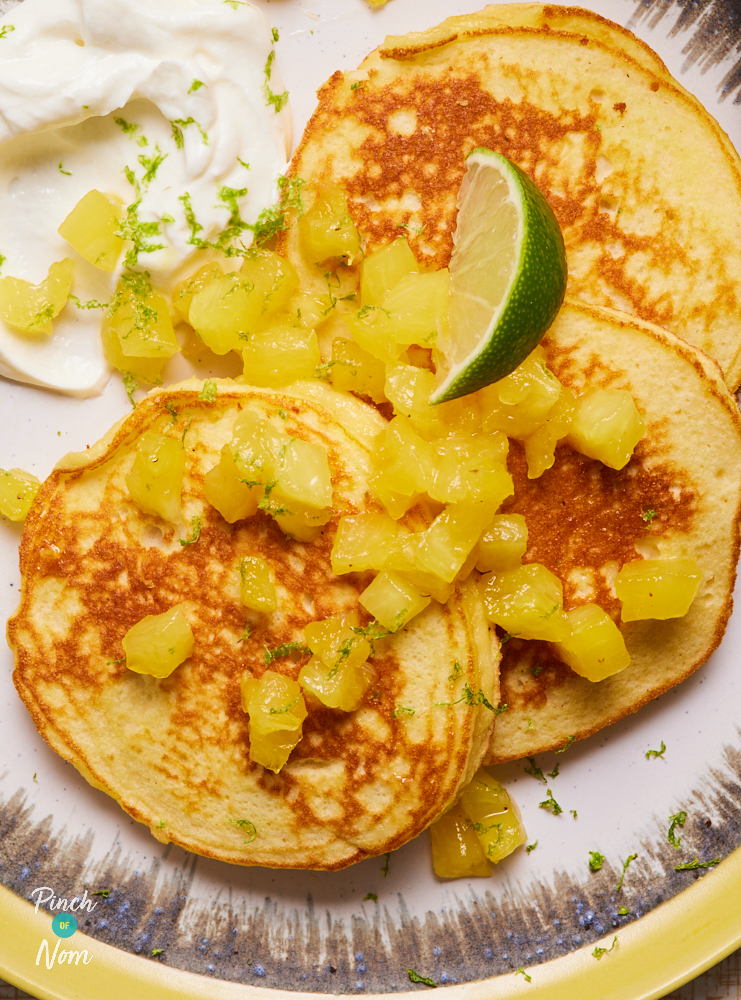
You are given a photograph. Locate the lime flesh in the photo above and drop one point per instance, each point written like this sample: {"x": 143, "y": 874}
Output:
{"x": 508, "y": 275}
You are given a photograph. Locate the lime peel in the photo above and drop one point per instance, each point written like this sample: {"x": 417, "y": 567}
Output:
{"x": 508, "y": 275}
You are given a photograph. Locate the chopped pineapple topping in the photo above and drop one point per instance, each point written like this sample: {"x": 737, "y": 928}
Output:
{"x": 485, "y": 826}
{"x": 495, "y": 816}
{"x": 607, "y": 426}
{"x": 256, "y": 588}
{"x": 527, "y": 602}
{"x": 384, "y": 269}
{"x": 595, "y": 648}
{"x": 354, "y": 370}
{"x": 520, "y": 403}
{"x": 282, "y": 354}
{"x": 31, "y": 308}
{"x": 92, "y": 227}
{"x": 277, "y": 710}
{"x": 327, "y": 229}
{"x": 18, "y": 491}
{"x": 155, "y": 481}
{"x": 657, "y": 588}
{"x": 338, "y": 673}
{"x": 503, "y": 544}
{"x": 392, "y": 600}
{"x": 362, "y": 542}
{"x": 158, "y": 644}
{"x": 140, "y": 319}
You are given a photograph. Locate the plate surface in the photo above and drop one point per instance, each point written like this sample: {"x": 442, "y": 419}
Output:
{"x": 321, "y": 932}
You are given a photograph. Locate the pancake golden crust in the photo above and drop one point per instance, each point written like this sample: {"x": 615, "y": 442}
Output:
{"x": 175, "y": 752}
{"x": 620, "y": 150}
{"x": 680, "y": 495}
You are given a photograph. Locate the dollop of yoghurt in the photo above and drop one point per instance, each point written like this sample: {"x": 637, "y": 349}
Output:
{"x": 176, "y": 104}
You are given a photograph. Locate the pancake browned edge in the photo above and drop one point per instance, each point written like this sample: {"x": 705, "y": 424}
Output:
{"x": 175, "y": 752}
{"x": 621, "y": 151}
{"x": 585, "y": 521}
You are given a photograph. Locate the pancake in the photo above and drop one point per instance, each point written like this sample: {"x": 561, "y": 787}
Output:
{"x": 586, "y": 520}
{"x": 175, "y": 752}
{"x": 620, "y": 150}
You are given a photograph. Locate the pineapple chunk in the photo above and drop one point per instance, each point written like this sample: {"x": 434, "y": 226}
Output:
{"x": 595, "y": 649}
{"x": 373, "y": 330}
{"x": 184, "y": 292}
{"x": 362, "y": 542}
{"x": 327, "y": 229}
{"x": 418, "y": 307}
{"x": 495, "y": 816}
{"x": 337, "y": 674}
{"x": 145, "y": 369}
{"x": 354, "y": 370}
{"x": 18, "y": 491}
{"x": 407, "y": 461}
{"x": 91, "y": 229}
{"x": 155, "y": 481}
{"x": 607, "y": 426}
{"x": 402, "y": 559}
{"x": 31, "y": 308}
{"x": 397, "y": 504}
{"x": 540, "y": 446}
{"x": 521, "y": 402}
{"x": 657, "y": 588}
{"x": 280, "y": 355}
{"x": 229, "y": 488}
{"x": 277, "y": 710}
{"x": 383, "y": 269}
{"x": 256, "y": 589}
{"x": 408, "y": 389}
{"x": 140, "y": 318}
{"x": 304, "y": 476}
{"x": 472, "y": 468}
{"x": 158, "y": 644}
{"x": 503, "y": 544}
{"x": 274, "y": 279}
{"x": 527, "y": 602}
{"x": 225, "y": 311}
{"x": 392, "y": 601}
{"x": 456, "y": 850}
{"x": 447, "y": 543}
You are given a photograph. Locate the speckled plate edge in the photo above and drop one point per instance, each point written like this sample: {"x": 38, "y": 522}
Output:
{"x": 652, "y": 957}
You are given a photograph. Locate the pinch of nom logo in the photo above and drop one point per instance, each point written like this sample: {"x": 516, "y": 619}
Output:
{"x": 63, "y": 925}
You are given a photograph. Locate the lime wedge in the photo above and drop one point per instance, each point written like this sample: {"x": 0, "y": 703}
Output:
{"x": 508, "y": 275}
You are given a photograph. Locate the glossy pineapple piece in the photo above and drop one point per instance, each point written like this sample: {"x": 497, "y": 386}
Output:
{"x": 406, "y": 460}
{"x": 540, "y": 446}
{"x": 456, "y": 850}
{"x": 402, "y": 559}
{"x": 327, "y": 229}
{"x": 158, "y": 644}
{"x": 527, "y": 602}
{"x": 362, "y": 542}
{"x": 495, "y": 816}
{"x": 595, "y": 647}
{"x": 274, "y": 280}
{"x": 451, "y": 537}
{"x": 354, "y": 370}
{"x": 502, "y": 544}
{"x": 140, "y": 318}
{"x": 256, "y": 589}
{"x": 225, "y": 312}
{"x": 472, "y": 467}
{"x": 607, "y": 426}
{"x": 232, "y": 490}
{"x": 18, "y": 491}
{"x": 91, "y": 228}
{"x": 408, "y": 389}
{"x": 392, "y": 601}
{"x": 338, "y": 673}
{"x": 184, "y": 292}
{"x": 145, "y": 369}
{"x": 31, "y": 308}
{"x": 304, "y": 476}
{"x": 520, "y": 403}
{"x": 372, "y": 329}
{"x": 280, "y": 355}
{"x": 155, "y": 481}
{"x": 276, "y": 710}
{"x": 383, "y": 269}
{"x": 417, "y": 307}
{"x": 657, "y": 588}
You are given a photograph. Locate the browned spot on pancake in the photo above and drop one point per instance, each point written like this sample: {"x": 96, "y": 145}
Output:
{"x": 619, "y": 106}
{"x": 580, "y": 514}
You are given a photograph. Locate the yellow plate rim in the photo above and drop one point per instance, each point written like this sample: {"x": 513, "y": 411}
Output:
{"x": 673, "y": 943}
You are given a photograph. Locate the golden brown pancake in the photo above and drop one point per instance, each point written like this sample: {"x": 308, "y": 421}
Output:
{"x": 175, "y": 752}
{"x": 620, "y": 150}
{"x": 680, "y": 495}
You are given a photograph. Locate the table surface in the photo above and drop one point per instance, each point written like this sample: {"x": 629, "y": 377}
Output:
{"x": 723, "y": 982}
